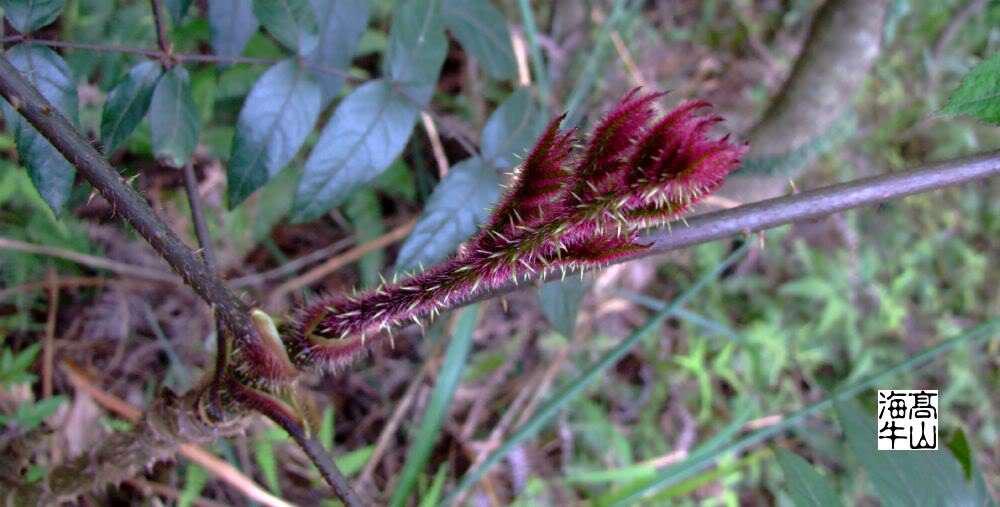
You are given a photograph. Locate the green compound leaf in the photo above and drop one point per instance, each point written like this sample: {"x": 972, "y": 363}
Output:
{"x": 26, "y": 16}
{"x": 511, "y": 129}
{"x": 128, "y": 103}
{"x": 805, "y": 485}
{"x": 277, "y": 115}
{"x": 979, "y": 93}
{"x": 292, "y": 22}
{"x": 367, "y": 132}
{"x": 458, "y": 206}
{"x": 232, "y": 23}
{"x": 173, "y": 118}
{"x": 417, "y": 48}
{"x": 51, "y": 174}
{"x": 482, "y": 31}
{"x": 341, "y": 24}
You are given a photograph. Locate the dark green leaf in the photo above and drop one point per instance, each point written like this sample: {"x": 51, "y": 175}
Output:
{"x": 482, "y": 31}
{"x": 959, "y": 448}
{"x": 962, "y": 451}
{"x": 560, "y": 302}
{"x": 173, "y": 118}
{"x": 366, "y": 133}
{"x": 26, "y": 16}
{"x": 805, "y": 485}
{"x": 51, "y": 174}
{"x": 127, "y": 104}
{"x": 979, "y": 93}
{"x": 277, "y": 115}
{"x": 902, "y": 478}
{"x": 417, "y": 48}
{"x": 292, "y": 22}
{"x": 177, "y": 9}
{"x": 459, "y": 204}
{"x": 341, "y": 24}
{"x": 511, "y": 129}
{"x": 232, "y": 23}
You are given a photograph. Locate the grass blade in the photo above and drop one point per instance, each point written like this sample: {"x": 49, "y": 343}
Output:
{"x": 537, "y": 63}
{"x": 437, "y": 408}
{"x": 574, "y": 388}
{"x": 674, "y": 474}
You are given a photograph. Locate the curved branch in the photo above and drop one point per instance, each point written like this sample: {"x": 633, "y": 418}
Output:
{"x": 235, "y": 314}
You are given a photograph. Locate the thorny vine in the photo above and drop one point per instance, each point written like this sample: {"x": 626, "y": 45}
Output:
{"x": 565, "y": 209}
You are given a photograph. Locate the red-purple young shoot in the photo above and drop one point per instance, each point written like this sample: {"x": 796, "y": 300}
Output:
{"x": 565, "y": 209}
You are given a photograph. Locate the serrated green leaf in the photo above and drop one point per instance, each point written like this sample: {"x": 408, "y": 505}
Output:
{"x": 902, "y": 478}
{"x": 276, "y": 117}
{"x": 481, "y": 29}
{"x": 177, "y": 9}
{"x": 51, "y": 174}
{"x": 232, "y": 23}
{"x": 367, "y": 132}
{"x": 511, "y": 129}
{"x": 805, "y": 485}
{"x": 417, "y": 48}
{"x": 560, "y": 302}
{"x": 173, "y": 118}
{"x": 979, "y": 93}
{"x": 128, "y": 103}
{"x": 457, "y": 207}
{"x": 26, "y": 16}
{"x": 341, "y": 24}
{"x": 292, "y": 22}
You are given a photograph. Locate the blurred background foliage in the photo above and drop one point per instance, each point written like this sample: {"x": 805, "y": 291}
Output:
{"x": 811, "y": 308}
